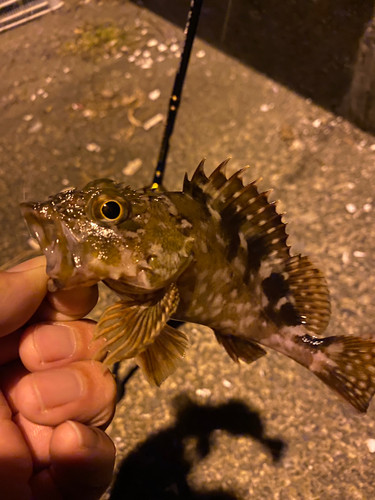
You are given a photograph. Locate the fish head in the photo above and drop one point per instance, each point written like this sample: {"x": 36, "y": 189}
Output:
{"x": 107, "y": 231}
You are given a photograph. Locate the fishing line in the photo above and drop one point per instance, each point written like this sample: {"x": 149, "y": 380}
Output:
{"x": 175, "y": 99}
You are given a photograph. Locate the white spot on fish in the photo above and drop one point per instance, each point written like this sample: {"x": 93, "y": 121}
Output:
{"x": 238, "y": 265}
{"x": 320, "y": 361}
{"x": 265, "y": 301}
{"x": 240, "y": 308}
{"x": 216, "y": 311}
{"x": 335, "y": 349}
{"x": 280, "y": 303}
{"x": 171, "y": 207}
{"x": 185, "y": 224}
{"x": 228, "y": 323}
{"x": 131, "y": 234}
{"x": 203, "y": 246}
{"x": 204, "y": 274}
{"x": 220, "y": 240}
{"x": 218, "y": 300}
{"x": 214, "y": 213}
{"x": 243, "y": 241}
{"x": 265, "y": 270}
{"x": 245, "y": 323}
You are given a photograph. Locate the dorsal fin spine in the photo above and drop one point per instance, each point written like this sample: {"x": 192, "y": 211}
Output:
{"x": 242, "y": 207}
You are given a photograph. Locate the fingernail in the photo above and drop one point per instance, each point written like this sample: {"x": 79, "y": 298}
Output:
{"x": 86, "y": 436}
{"x": 58, "y": 388}
{"x": 28, "y": 265}
{"x": 54, "y": 342}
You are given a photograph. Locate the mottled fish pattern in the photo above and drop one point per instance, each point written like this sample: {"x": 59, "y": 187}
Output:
{"x": 215, "y": 254}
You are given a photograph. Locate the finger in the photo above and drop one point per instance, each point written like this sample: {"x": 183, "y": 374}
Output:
{"x": 65, "y": 305}
{"x": 51, "y": 345}
{"x": 9, "y": 346}
{"x": 22, "y": 290}
{"x": 10, "y": 376}
{"x": 43, "y": 487}
{"x": 83, "y": 391}
{"x": 38, "y": 438}
{"x": 82, "y": 460}
{"x": 15, "y": 459}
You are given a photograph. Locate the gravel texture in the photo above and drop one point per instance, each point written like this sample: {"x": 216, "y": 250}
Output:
{"x": 83, "y": 94}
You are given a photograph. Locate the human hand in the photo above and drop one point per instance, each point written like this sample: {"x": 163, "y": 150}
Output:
{"x": 54, "y": 400}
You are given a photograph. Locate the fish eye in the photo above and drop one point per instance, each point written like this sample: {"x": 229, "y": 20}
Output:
{"x": 107, "y": 209}
{"x": 111, "y": 210}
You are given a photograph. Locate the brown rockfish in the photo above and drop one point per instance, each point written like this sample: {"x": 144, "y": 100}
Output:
{"x": 215, "y": 254}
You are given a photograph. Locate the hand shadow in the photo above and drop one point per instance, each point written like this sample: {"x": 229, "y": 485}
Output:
{"x": 157, "y": 469}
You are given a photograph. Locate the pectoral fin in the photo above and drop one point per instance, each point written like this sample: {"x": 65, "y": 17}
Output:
{"x": 130, "y": 326}
{"x": 240, "y": 349}
{"x": 163, "y": 356}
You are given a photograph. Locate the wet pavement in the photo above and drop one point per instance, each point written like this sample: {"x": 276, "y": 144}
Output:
{"x": 81, "y": 96}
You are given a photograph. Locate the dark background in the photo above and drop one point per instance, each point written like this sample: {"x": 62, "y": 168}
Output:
{"x": 310, "y": 45}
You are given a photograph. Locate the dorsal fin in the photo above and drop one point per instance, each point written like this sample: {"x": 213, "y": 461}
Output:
{"x": 296, "y": 292}
{"x": 248, "y": 213}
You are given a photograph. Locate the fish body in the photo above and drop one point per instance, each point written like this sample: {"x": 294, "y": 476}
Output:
{"x": 215, "y": 254}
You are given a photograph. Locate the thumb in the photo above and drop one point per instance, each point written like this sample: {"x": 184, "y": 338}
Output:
{"x": 22, "y": 290}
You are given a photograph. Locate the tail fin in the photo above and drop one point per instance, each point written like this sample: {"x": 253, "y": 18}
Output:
{"x": 347, "y": 365}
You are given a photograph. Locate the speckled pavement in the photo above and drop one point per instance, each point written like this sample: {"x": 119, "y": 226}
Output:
{"x": 73, "y": 109}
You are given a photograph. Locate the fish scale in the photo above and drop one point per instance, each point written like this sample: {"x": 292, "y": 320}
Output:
{"x": 216, "y": 254}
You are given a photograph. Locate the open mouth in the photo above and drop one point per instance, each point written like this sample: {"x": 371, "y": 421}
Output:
{"x": 47, "y": 230}
{"x": 67, "y": 264}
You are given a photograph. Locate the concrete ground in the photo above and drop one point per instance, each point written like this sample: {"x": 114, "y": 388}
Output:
{"x": 77, "y": 91}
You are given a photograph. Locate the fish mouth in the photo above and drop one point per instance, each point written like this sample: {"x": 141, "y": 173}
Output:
{"x": 46, "y": 230}
{"x": 59, "y": 247}
{"x": 41, "y": 227}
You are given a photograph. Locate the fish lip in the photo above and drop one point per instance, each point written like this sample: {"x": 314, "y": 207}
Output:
{"x": 36, "y": 223}
{"x": 58, "y": 245}
{"x": 47, "y": 232}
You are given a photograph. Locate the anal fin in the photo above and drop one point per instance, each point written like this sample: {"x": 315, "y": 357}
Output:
{"x": 239, "y": 349}
{"x": 163, "y": 356}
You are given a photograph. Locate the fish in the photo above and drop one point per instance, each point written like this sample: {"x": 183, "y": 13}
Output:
{"x": 215, "y": 254}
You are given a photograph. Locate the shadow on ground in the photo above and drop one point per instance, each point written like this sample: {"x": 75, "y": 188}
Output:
{"x": 308, "y": 46}
{"x": 158, "y": 468}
